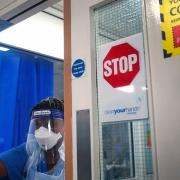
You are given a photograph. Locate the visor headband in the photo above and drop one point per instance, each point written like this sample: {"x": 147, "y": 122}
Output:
{"x": 48, "y": 113}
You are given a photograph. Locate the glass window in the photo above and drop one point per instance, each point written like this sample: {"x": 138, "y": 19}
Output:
{"x": 125, "y": 146}
{"x": 117, "y": 150}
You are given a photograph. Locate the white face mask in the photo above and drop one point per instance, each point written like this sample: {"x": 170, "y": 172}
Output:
{"x": 46, "y": 139}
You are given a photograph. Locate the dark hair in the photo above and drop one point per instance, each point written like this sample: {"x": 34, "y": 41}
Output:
{"x": 49, "y": 103}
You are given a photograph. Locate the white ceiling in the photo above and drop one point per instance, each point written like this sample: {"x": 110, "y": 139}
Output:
{"x": 4, "y": 4}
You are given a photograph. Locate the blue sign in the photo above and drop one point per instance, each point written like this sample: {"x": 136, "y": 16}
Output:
{"x": 78, "y": 68}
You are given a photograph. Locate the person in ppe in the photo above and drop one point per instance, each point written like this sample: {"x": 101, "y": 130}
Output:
{"x": 44, "y": 145}
{"x": 44, "y": 149}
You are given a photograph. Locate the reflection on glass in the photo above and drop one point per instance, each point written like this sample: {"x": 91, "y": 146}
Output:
{"x": 148, "y": 148}
{"x": 127, "y": 89}
{"x": 118, "y": 160}
{"x": 144, "y": 88}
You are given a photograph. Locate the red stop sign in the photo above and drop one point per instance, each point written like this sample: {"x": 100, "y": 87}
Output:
{"x": 121, "y": 65}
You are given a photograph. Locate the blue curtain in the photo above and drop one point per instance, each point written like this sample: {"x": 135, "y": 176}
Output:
{"x": 24, "y": 80}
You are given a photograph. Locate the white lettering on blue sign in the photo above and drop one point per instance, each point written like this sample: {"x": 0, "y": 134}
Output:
{"x": 43, "y": 112}
{"x": 78, "y": 68}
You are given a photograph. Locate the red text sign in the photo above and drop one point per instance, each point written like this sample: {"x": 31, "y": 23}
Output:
{"x": 121, "y": 65}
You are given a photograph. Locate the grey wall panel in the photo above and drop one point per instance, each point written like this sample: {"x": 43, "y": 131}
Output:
{"x": 83, "y": 145}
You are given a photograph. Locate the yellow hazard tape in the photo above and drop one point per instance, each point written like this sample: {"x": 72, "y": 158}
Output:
{"x": 170, "y": 27}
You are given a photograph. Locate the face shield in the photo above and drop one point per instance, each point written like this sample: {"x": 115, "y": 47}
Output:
{"x": 47, "y": 127}
{"x": 45, "y": 140}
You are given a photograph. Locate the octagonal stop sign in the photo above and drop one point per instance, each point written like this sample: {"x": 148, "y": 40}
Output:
{"x": 121, "y": 65}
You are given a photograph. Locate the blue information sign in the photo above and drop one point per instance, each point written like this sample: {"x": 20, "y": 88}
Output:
{"x": 78, "y": 68}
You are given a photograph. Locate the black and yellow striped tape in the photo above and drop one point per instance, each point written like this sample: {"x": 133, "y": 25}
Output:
{"x": 170, "y": 27}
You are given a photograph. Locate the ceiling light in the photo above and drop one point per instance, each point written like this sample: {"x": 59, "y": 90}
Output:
{"x": 4, "y": 49}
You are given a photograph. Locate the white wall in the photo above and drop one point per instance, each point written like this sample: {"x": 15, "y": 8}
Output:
{"x": 40, "y": 33}
{"x": 165, "y": 76}
{"x": 165, "y": 81}
{"x": 84, "y": 89}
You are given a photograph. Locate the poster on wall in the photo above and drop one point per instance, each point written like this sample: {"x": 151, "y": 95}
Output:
{"x": 122, "y": 90}
{"x": 170, "y": 27}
